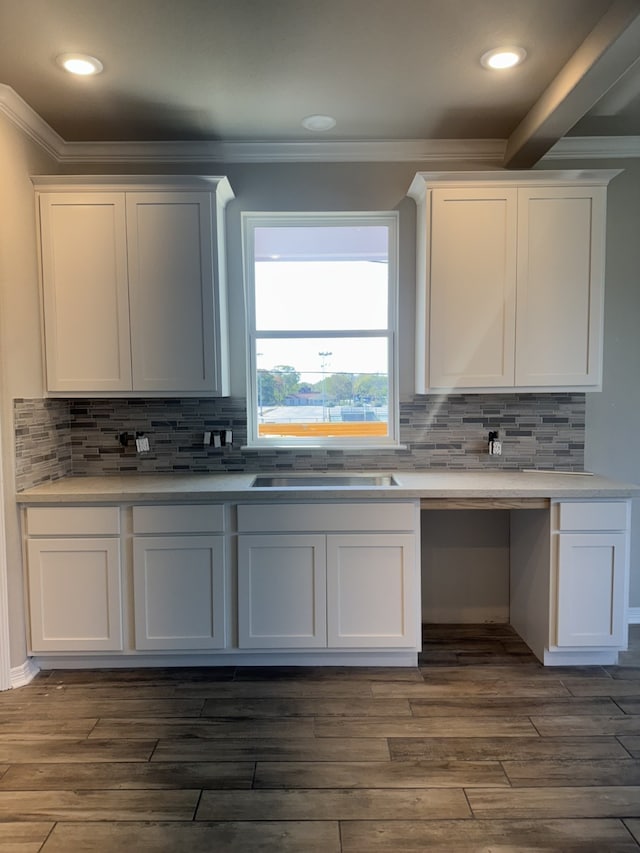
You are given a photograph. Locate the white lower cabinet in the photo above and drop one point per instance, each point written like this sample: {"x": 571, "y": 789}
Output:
{"x": 330, "y": 578}
{"x": 74, "y": 578}
{"x": 179, "y": 578}
{"x": 569, "y": 580}
{"x": 591, "y": 574}
{"x": 333, "y": 576}
{"x": 324, "y": 588}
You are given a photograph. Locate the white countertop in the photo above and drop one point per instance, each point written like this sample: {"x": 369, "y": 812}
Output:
{"x": 116, "y": 488}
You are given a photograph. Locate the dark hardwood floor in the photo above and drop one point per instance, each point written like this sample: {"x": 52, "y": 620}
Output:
{"x": 479, "y": 750}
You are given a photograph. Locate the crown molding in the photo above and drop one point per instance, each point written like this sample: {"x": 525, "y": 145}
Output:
{"x": 488, "y": 151}
{"x": 29, "y": 122}
{"x": 510, "y": 177}
{"x": 360, "y": 151}
{"x": 594, "y": 147}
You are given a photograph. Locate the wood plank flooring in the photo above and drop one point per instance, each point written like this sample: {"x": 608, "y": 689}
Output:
{"x": 478, "y": 749}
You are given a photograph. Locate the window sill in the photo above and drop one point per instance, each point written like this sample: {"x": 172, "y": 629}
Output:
{"x": 343, "y": 447}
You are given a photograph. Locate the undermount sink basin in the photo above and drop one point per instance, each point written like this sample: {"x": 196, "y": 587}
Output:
{"x": 303, "y": 481}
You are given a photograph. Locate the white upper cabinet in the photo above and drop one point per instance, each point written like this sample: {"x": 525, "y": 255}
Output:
{"x": 86, "y": 292}
{"x": 134, "y": 290}
{"x": 510, "y": 280}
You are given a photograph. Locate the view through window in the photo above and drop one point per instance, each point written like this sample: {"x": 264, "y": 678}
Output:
{"x": 321, "y": 313}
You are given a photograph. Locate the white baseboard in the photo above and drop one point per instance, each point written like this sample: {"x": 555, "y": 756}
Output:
{"x": 633, "y": 615}
{"x": 408, "y": 658}
{"x": 465, "y": 615}
{"x": 596, "y": 658}
{"x": 21, "y": 675}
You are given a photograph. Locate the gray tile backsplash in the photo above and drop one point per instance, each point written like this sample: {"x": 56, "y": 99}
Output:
{"x": 58, "y": 437}
{"x": 42, "y": 440}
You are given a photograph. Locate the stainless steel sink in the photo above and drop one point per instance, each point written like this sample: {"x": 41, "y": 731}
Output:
{"x": 305, "y": 481}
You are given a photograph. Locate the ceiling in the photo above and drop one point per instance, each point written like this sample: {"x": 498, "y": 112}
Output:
{"x": 250, "y": 70}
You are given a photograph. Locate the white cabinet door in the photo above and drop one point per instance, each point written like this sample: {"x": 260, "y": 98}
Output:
{"x": 179, "y": 592}
{"x": 86, "y": 301}
{"x": 472, "y": 287}
{"x": 282, "y": 591}
{"x": 372, "y": 591}
{"x": 591, "y": 589}
{"x": 74, "y": 594}
{"x": 171, "y": 281}
{"x": 560, "y": 286}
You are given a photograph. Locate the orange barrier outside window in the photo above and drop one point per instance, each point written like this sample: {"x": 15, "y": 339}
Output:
{"x": 357, "y": 429}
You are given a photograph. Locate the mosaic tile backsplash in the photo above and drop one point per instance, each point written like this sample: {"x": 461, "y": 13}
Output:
{"x": 55, "y": 438}
{"x": 43, "y": 441}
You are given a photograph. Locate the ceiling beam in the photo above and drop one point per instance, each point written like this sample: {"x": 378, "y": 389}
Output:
{"x": 604, "y": 57}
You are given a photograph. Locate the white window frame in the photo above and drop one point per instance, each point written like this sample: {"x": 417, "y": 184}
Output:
{"x": 252, "y": 220}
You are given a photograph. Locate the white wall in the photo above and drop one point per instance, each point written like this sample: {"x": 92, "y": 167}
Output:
{"x": 465, "y": 566}
{"x": 323, "y": 187}
{"x": 613, "y": 416}
{"x": 20, "y": 344}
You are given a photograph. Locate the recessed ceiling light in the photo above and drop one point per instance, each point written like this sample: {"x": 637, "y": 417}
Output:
{"x": 503, "y": 57}
{"x": 318, "y": 123}
{"x": 79, "y": 63}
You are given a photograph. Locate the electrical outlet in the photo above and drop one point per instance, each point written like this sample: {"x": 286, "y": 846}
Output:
{"x": 495, "y": 446}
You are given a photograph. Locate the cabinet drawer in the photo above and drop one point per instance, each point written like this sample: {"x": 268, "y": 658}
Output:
{"x": 73, "y": 520}
{"x": 593, "y": 515}
{"x": 326, "y": 517}
{"x": 182, "y": 518}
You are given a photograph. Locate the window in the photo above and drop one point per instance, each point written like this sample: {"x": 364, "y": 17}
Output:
{"x": 321, "y": 329}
